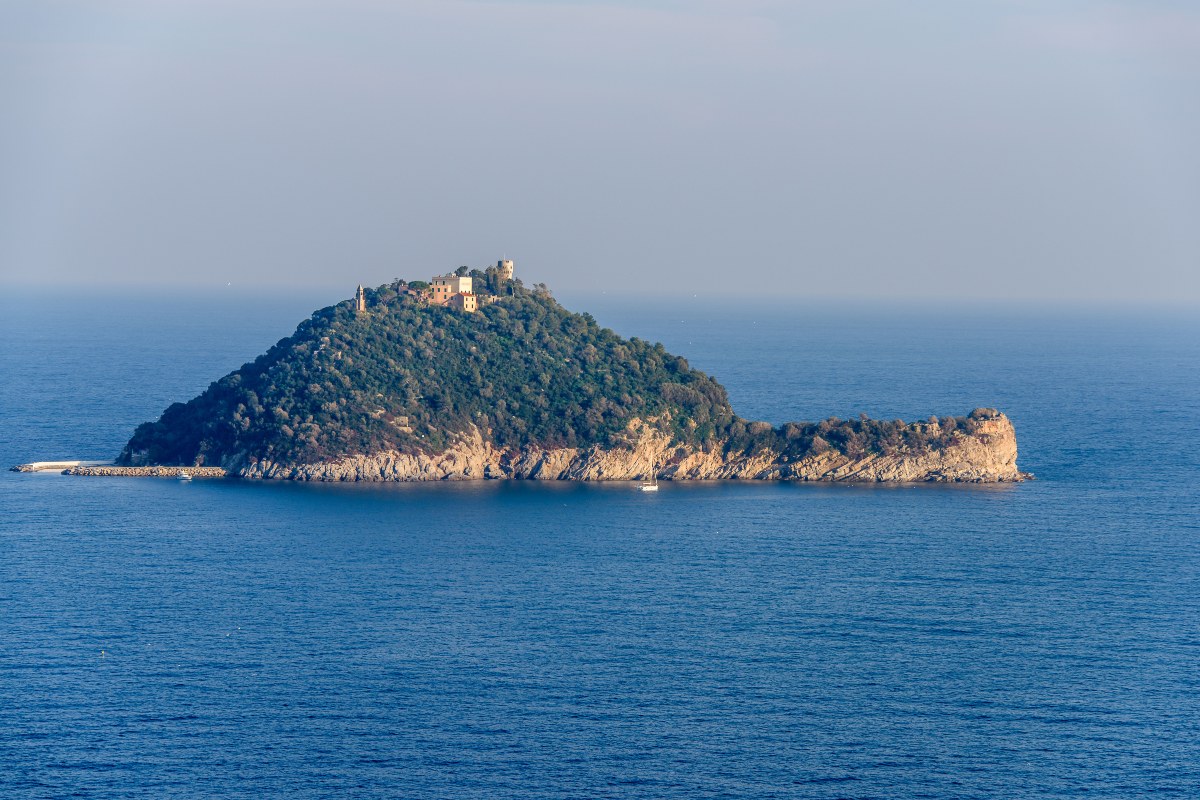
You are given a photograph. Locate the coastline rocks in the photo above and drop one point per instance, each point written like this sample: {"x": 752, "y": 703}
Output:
{"x": 987, "y": 456}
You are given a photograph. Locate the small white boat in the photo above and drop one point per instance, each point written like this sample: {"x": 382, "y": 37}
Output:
{"x": 183, "y": 476}
{"x": 652, "y": 484}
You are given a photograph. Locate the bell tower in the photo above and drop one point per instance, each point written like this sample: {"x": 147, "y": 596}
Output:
{"x": 360, "y": 300}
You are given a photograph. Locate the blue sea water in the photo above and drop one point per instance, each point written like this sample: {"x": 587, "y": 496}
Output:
{"x": 490, "y": 640}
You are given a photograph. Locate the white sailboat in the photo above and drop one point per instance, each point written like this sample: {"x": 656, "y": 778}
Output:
{"x": 652, "y": 484}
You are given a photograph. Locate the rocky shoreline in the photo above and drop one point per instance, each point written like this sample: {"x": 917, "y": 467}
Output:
{"x": 987, "y": 456}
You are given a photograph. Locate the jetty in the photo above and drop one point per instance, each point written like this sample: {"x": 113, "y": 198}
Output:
{"x": 147, "y": 472}
{"x": 106, "y": 469}
{"x": 58, "y": 466}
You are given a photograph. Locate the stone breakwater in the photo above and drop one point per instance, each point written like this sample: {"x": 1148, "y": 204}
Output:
{"x": 989, "y": 455}
{"x": 148, "y": 472}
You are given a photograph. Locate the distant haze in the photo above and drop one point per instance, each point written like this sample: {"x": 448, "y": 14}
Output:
{"x": 1016, "y": 150}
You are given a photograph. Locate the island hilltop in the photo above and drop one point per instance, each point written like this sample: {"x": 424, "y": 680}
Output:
{"x": 473, "y": 375}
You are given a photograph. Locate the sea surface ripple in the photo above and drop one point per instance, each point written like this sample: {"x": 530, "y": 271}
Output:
{"x": 736, "y": 640}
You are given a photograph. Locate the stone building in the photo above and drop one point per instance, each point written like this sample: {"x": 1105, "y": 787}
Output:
{"x": 464, "y": 301}
{"x": 443, "y": 287}
{"x": 505, "y": 265}
{"x": 360, "y": 300}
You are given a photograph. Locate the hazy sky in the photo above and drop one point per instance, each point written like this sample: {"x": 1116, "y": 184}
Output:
{"x": 979, "y": 149}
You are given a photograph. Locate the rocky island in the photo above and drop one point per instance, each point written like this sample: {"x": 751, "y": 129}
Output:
{"x": 474, "y": 376}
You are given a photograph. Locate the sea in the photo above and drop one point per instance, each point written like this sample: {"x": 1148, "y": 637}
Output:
{"x": 237, "y": 639}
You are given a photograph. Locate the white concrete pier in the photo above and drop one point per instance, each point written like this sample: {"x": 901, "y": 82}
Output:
{"x": 58, "y": 466}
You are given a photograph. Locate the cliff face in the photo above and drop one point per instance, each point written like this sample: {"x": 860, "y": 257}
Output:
{"x": 986, "y": 456}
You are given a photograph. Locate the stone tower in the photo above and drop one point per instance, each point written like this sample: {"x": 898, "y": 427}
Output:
{"x": 360, "y": 300}
{"x": 505, "y": 265}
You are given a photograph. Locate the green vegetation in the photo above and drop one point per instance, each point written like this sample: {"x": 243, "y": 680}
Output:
{"x": 857, "y": 438}
{"x": 408, "y": 377}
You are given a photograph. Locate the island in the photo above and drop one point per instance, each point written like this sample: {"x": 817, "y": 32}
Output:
{"x": 473, "y": 375}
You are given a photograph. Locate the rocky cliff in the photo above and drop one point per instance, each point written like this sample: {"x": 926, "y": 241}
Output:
{"x": 987, "y": 455}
